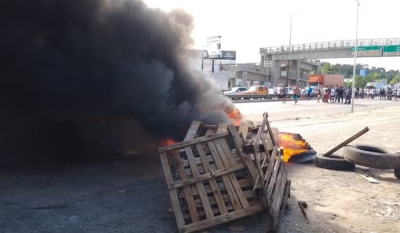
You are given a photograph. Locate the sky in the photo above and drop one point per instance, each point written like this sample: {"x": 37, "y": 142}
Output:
{"x": 247, "y": 26}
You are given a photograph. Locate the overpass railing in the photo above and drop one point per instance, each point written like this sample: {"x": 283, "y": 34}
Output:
{"x": 329, "y": 45}
{"x": 249, "y": 67}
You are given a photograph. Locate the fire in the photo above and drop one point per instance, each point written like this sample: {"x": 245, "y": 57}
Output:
{"x": 167, "y": 142}
{"x": 236, "y": 116}
{"x": 291, "y": 146}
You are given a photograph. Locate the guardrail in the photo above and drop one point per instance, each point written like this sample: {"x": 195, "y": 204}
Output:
{"x": 329, "y": 45}
{"x": 252, "y": 67}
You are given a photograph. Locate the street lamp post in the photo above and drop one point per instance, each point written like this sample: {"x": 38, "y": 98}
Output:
{"x": 355, "y": 62}
{"x": 290, "y": 45}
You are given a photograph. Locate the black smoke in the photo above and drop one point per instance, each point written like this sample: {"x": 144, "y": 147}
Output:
{"x": 63, "y": 63}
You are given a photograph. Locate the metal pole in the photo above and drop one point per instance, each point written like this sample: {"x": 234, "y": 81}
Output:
{"x": 290, "y": 45}
{"x": 212, "y": 67}
{"x": 355, "y": 62}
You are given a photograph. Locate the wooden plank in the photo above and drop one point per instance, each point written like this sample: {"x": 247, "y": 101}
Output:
{"x": 238, "y": 144}
{"x": 185, "y": 162}
{"x": 206, "y": 176}
{"x": 279, "y": 181}
{"x": 232, "y": 177}
{"x": 199, "y": 185}
{"x": 186, "y": 189}
{"x": 270, "y": 168}
{"x": 210, "y": 132}
{"x": 270, "y": 145}
{"x": 275, "y": 224}
{"x": 183, "y": 144}
{"x": 276, "y": 204}
{"x": 244, "y": 129}
{"x": 193, "y": 129}
{"x": 245, "y": 183}
{"x": 272, "y": 181}
{"x": 273, "y": 139}
{"x": 173, "y": 194}
{"x": 223, "y": 218}
{"x": 224, "y": 197}
{"x": 225, "y": 178}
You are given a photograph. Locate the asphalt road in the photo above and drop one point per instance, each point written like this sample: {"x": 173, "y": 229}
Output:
{"x": 306, "y": 108}
{"x": 123, "y": 195}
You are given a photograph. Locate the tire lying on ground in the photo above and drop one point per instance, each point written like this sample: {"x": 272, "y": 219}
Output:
{"x": 333, "y": 162}
{"x": 372, "y": 156}
{"x": 397, "y": 173}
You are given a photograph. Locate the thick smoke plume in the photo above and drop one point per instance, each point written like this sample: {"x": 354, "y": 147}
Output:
{"x": 66, "y": 63}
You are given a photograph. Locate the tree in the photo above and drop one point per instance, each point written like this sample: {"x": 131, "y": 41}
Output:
{"x": 395, "y": 80}
{"x": 361, "y": 81}
{"x": 329, "y": 69}
{"x": 374, "y": 76}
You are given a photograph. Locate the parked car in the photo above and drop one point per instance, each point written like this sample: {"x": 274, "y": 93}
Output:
{"x": 235, "y": 90}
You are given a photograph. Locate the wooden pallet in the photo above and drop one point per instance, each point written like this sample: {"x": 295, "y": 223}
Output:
{"x": 272, "y": 174}
{"x": 210, "y": 180}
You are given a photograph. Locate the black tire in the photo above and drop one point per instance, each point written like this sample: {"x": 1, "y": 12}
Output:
{"x": 372, "y": 156}
{"x": 397, "y": 173}
{"x": 333, "y": 162}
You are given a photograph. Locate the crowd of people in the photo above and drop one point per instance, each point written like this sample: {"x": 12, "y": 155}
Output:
{"x": 337, "y": 94}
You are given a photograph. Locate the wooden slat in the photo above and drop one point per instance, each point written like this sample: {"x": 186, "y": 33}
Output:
{"x": 183, "y": 144}
{"x": 225, "y": 178}
{"x": 269, "y": 170}
{"x": 206, "y": 176}
{"x": 244, "y": 183}
{"x": 274, "y": 224}
{"x": 185, "y": 162}
{"x": 172, "y": 193}
{"x": 276, "y": 203}
{"x": 275, "y": 191}
{"x": 223, "y": 218}
{"x": 244, "y": 129}
{"x": 270, "y": 145}
{"x": 199, "y": 185}
{"x": 186, "y": 189}
{"x": 213, "y": 183}
{"x": 238, "y": 144}
{"x": 193, "y": 129}
{"x": 232, "y": 177}
{"x": 272, "y": 181}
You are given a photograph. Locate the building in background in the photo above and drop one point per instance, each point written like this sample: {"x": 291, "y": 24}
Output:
{"x": 199, "y": 60}
{"x": 364, "y": 72}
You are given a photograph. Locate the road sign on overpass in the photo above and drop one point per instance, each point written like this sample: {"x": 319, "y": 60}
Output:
{"x": 391, "y": 50}
{"x": 367, "y": 51}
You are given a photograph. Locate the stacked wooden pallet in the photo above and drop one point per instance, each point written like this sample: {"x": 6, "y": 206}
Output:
{"x": 212, "y": 181}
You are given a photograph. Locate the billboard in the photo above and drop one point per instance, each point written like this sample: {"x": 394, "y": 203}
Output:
{"x": 228, "y": 55}
{"x": 214, "y": 46}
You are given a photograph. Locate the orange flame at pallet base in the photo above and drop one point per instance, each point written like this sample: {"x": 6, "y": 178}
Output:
{"x": 236, "y": 116}
{"x": 291, "y": 146}
{"x": 167, "y": 142}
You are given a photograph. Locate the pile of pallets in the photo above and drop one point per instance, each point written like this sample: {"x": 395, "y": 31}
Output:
{"x": 221, "y": 173}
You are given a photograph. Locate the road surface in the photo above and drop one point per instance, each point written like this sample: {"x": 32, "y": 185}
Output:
{"x": 305, "y": 108}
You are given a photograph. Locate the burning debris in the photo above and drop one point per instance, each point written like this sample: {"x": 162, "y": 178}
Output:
{"x": 64, "y": 61}
{"x": 212, "y": 179}
{"x": 295, "y": 148}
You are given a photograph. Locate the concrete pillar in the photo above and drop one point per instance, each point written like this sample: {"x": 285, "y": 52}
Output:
{"x": 297, "y": 62}
{"x": 275, "y": 72}
{"x": 244, "y": 79}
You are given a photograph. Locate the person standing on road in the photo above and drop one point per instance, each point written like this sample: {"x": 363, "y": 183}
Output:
{"x": 309, "y": 90}
{"x": 340, "y": 94}
{"x": 333, "y": 92}
{"x": 348, "y": 95}
{"x": 283, "y": 93}
{"x": 319, "y": 93}
{"x": 275, "y": 90}
{"x": 296, "y": 92}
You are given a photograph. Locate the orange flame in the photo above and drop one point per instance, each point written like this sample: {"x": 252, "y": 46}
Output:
{"x": 291, "y": 146}
{"x": 236, "y": 116}
{"x": 167, "y": 142}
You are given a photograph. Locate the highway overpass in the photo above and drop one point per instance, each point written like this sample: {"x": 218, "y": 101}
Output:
{"x": 277, "y": 57}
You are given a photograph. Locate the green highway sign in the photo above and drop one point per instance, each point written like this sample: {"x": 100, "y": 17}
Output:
{"x": 368, "y": 51}
{"x": 391, "y": 50}
{"x": 366, "y": 48}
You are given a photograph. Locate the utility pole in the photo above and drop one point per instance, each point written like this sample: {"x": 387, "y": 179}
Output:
{"x": 290, "y": 47}
{"x": 355, "y": 62}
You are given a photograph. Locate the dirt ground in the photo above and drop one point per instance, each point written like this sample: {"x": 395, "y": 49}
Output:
{"x": 130, "y": 195}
